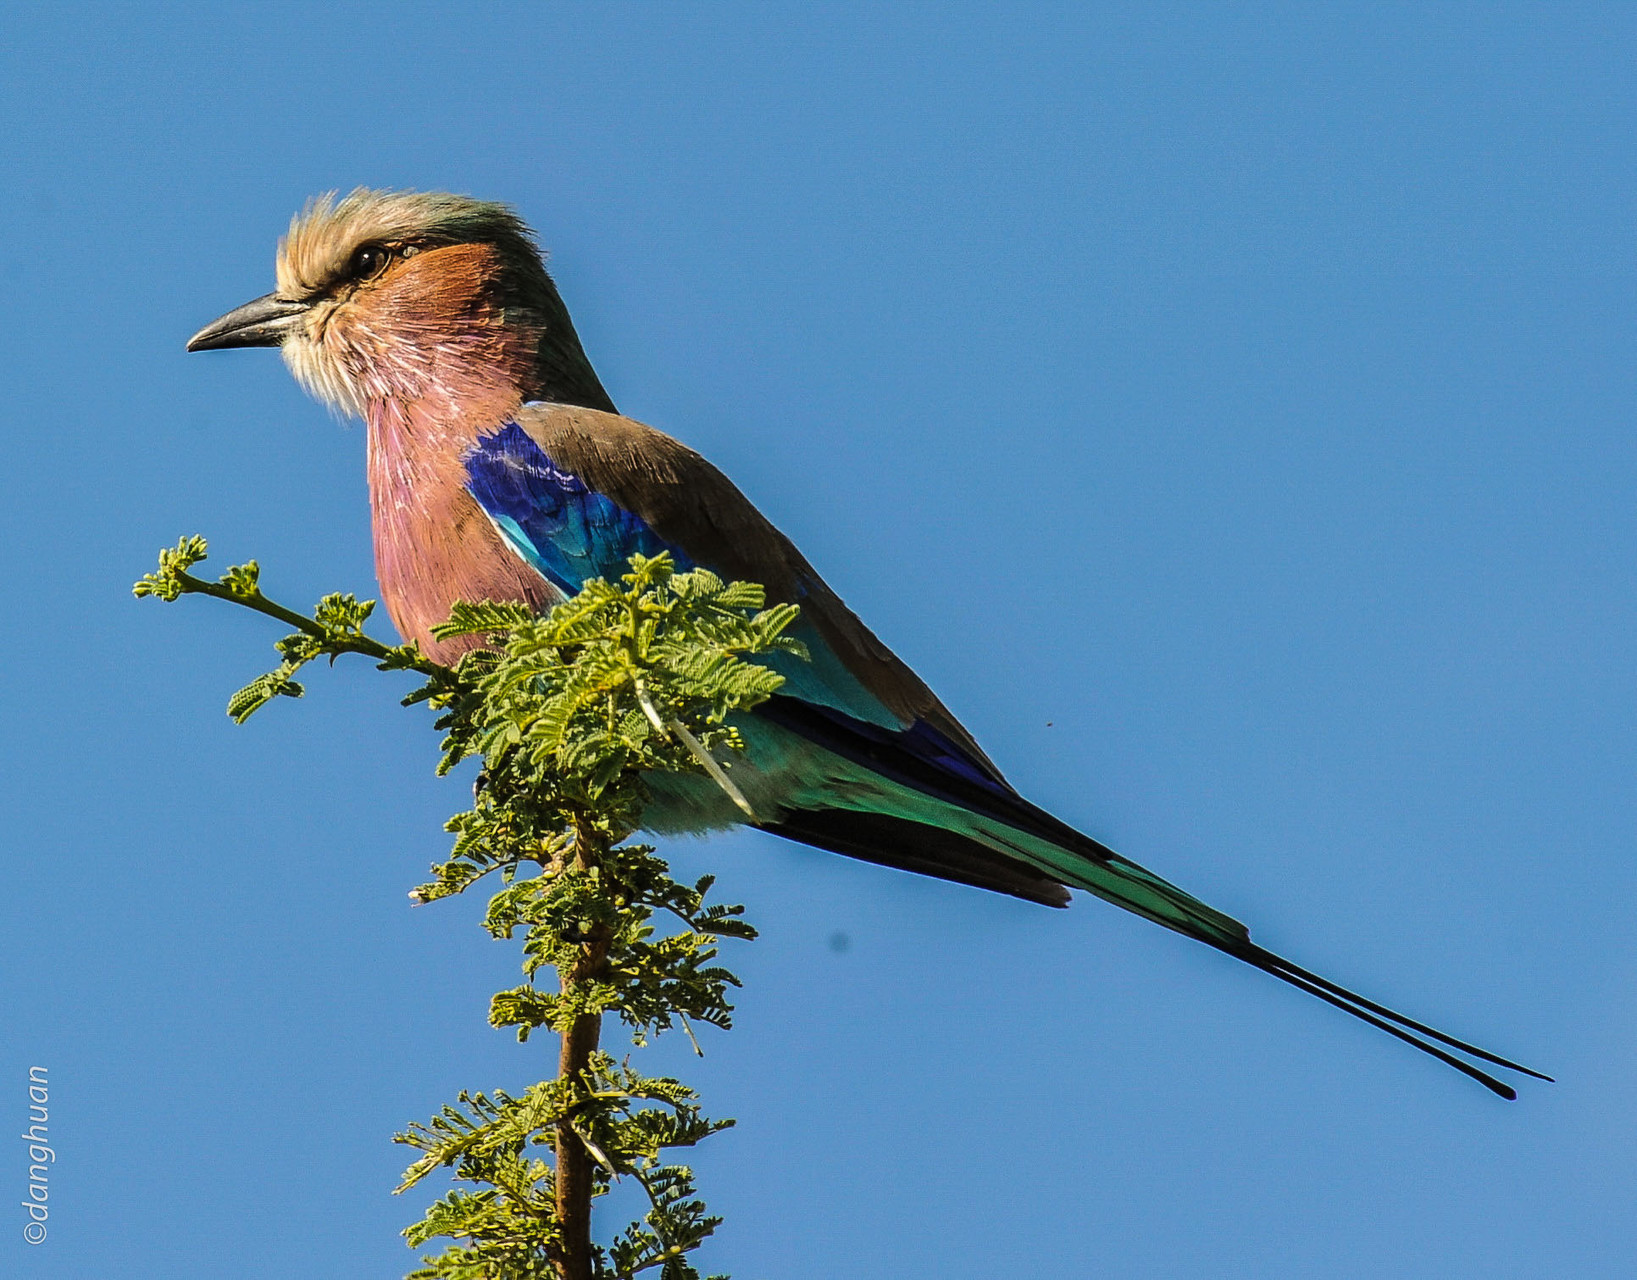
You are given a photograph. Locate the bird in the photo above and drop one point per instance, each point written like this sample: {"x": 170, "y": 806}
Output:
{"x": 500, "y": 470}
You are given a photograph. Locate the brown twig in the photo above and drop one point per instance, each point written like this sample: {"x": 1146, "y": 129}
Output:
{"x": 579, "y": 1042}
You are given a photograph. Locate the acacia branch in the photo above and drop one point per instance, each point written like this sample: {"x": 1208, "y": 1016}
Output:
{"x": 334, "y": 641}
{"x": 563, "y": 774}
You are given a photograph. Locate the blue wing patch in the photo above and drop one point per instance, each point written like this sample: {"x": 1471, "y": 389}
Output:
{"x": 551, "y": 518}
{"x": 568, "y": 533}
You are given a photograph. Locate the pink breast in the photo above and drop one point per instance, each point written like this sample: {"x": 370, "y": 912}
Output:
{"x": 433, "y": 543}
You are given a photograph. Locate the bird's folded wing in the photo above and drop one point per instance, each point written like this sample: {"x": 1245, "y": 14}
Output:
{"x": 576, "y": 492}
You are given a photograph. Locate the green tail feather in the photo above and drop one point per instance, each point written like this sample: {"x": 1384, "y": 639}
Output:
{"x": 791, "y": 777}
{"x": 1125, "y": 884}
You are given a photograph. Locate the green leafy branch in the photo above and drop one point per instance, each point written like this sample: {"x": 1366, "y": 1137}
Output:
{"x": 335, "y": 627}
{"x": 485, "y": 1139}
{"x": 570, "y": 713}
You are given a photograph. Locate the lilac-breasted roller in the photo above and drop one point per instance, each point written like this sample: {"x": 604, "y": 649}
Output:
{"x": 500, "y": 470}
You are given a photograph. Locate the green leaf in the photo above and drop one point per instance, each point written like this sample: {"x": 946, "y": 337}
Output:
{"x": 259, "y": 692}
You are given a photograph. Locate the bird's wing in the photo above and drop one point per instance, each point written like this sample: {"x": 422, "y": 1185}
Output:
{"x": 576, "y": 492}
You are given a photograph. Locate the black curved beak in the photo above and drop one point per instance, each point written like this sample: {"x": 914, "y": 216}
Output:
{"x": 265, "y": 322}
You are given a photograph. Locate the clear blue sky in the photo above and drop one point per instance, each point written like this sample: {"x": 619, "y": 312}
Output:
{"x": 1227, "y": 409}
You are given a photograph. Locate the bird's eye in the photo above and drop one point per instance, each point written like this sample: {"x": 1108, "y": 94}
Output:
{"x": 368, "y": 260}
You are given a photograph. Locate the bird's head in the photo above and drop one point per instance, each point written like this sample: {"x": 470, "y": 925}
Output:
{"x": 406, "y": 296}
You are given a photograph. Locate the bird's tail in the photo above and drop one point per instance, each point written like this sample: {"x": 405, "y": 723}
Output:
{"x": 914, "y": 804}
{"x": 1394, "y": 1024}
{"x": 1124, "y": 883}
